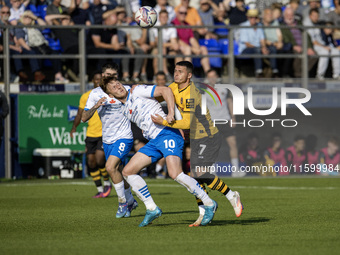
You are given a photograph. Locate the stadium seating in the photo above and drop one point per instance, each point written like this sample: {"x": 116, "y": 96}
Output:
{"x": 224, "y": 45}
{"x": 211, "y": 44}
{"x": 213, "y": 48}
{"x": 221, "y": 31}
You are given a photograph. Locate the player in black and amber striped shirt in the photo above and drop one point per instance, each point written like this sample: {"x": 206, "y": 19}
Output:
{"x": 205, "y": 140}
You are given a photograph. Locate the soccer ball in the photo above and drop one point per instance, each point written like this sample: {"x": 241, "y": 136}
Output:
{"x": 146, "y": 17}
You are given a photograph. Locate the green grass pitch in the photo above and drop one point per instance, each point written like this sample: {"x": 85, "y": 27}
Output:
{"x": 281, "y": 216}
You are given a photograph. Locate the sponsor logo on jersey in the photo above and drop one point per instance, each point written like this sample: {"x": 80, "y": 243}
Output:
{"x": 190, "y": 103}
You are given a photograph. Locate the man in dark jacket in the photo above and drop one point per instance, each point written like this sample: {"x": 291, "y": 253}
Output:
{"x": 293, "y": 41}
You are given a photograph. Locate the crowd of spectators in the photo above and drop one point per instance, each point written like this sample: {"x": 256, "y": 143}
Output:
{"x": 301, "y": 157}
{"x": 259, "y": 38}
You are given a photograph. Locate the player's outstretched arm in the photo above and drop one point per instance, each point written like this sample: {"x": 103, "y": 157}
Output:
{"x": 76, "y": 121}
{"x": 184, "y": 123}
{"x": 168, "y": 96}
{"x": 88, "y": 114}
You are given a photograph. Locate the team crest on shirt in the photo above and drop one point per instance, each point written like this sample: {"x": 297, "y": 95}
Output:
{"x": 190, "y": 103}
{"x": 112, "y": 101}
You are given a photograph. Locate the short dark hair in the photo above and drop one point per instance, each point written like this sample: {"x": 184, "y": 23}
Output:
{"x": 160, "y": 73}
{"x": 106, "y": 80}
{"x": 334, "y": 140}
{"x": 252, "y": 135}
{"x": 276, "y": 134}
{"x": 327, "y": 23}
{"x": 314, "y": 10}
{"x": 187, "y": 64}
{"x": 298, "y": 138}
{"x": 311, "y": 141}
{"x": 112, "y": 66}
{"x": 163, "y": 11}
{"x": 95, "y": 73}
{"x": 211, "y": 70}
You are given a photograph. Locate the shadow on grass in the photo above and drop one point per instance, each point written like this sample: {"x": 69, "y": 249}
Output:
{"x": 250, "y": 221}
{"x": 192, "y": 211}
{"x": 164, "y": 213}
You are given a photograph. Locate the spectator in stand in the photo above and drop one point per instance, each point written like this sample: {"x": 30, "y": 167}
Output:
{"x": 56, "y": 8}
{"x": 273, "y": 36}
{"x": 97, "y": 9}
{"x": 237, "y": 14}
{"x": 187, "y": 42}
{"x": 221, "y": 14}
{"x": 292, "y": 39}
{"x": 323, "y": 45}
{"x": 333, "y": 47}
{"x": 41, "y": 7}
{"x": 275, "y": 155}
{"x": 334, "y": 16}
{"x": 17, "y": 9}
{"x": 314, "y": 4}
{"x": 295, "y": 5}
{"x": 250, "y": 154}
{"x": 32, "y": 39}
{"x": 206, "y": 11}
{"x": 252, "y": 41}
{"x": 105, "y": 42}
{"x": 312, "y": 154}
{"x": 296, "y": 155}
{"x": 15, "y": 48}
{"x": 330, "y": 157}
{"x": 192, "y": 18}
{"x": 277, "y": 12}
{"x": 163, "y": 5}
{"x": 81, "y": 13}
{"x": 69, "y": 41}
{"x": 127, "y": 4}
{"x": 170, "y": 43}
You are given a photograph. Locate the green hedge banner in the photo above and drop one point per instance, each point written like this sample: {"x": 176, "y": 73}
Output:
{"x": 45, "y": 121}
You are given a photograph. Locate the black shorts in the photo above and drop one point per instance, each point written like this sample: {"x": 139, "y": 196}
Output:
{"x": 204, "y": 151}
{"x": 92, "y": 144}
{"x": 226, "y": 130}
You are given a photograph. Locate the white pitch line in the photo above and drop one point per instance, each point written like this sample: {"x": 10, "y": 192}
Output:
{"x": 164, "y": 186}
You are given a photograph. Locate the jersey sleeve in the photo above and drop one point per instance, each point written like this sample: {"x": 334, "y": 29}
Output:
{"x": 144, "y": 91}
{"x": 91, "y": 101}
{"x": 184, "y": 123}
{"x": 83, "y": 100}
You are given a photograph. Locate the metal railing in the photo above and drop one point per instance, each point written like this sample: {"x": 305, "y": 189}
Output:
{"x": 82, "y": 57}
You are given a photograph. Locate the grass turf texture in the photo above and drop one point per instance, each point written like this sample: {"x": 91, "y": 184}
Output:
{"x": 281, "y": 216}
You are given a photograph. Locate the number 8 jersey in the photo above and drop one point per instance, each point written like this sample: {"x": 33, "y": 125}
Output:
{"x": 115, "y": 125}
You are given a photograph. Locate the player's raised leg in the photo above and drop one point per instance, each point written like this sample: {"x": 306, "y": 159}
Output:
{"x": 139, "y": 186}
{"x": 174, "y": 165}
{"x": 215, "y": 183}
